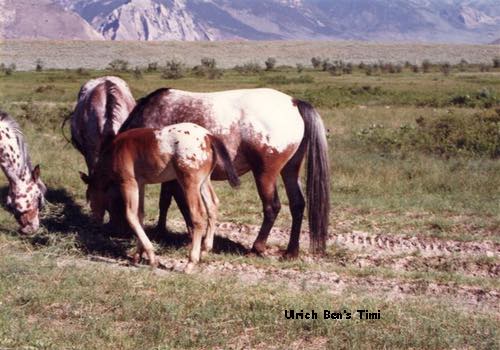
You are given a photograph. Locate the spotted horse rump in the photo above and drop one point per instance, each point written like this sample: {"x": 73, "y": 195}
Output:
{"x": 184, "y": 152}
{"x": 26, "y": 190}
{"x": 266, "y": 132}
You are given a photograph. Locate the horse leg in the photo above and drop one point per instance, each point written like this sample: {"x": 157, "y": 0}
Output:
{"x": 196, "y": 209}
{"x": 266, "y": 186}
{"x": 130, "y": 191}
{"x": 169, "y": 189}
{"x": 211, "y": 204}
{"x": 141, "y": 204}
{"x": 290, "y": 175}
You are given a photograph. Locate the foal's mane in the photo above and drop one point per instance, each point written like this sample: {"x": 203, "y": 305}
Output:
{"x": 23, "y": 148}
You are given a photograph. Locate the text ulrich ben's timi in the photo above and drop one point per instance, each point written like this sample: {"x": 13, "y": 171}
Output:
{"x": 332, "y": 315}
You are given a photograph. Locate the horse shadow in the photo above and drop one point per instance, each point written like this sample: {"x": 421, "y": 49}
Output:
{"x": 65, "y": 217}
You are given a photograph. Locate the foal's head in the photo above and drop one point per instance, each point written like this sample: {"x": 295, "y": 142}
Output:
{"x": 26, "y": 199}
{"x": 97, "y": 190}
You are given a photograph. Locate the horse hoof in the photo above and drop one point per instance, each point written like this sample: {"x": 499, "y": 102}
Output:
{"x": 290, "y": 255}
{"x": 189, "y": 269}
{"x": 258, "y": 250}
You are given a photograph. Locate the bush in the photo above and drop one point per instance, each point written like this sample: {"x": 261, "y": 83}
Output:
{"x": 415, "y": 69}
{"x": 208, "y": 68}
{"x": 316, "y": 62}
{"x": 8, "y": 70}
{"x": 82, "y": 71}
{"x": 463, "y": 65}
{"x": 39, "y": 65}
{"x": 483, "y": 98}
{"x": 137, "y": 73}
{"x": 300, "y": 67}
{"x": 484, "y": 68}
{"x": 496, "y": 62}
{"x": 249, "y": 68}
{"x": 118, "y": 65}
{"x": 174, "y": 69}
{"x": 270, "y": 63}
{"x": 447, "y": 136}
{"x": 152, "y": 67}
{"x": 426, "y": 66}
{"x": 445, "y": 68}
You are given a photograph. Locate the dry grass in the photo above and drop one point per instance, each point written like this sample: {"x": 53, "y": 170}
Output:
{"x": 98, "y": 54}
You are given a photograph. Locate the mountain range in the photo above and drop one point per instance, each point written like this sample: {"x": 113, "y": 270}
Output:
{"x": 446, "y": 21}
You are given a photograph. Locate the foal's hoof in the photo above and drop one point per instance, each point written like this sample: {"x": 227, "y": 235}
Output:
{"x": 189, "y": 269}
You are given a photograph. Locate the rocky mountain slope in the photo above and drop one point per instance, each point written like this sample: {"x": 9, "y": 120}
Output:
{"x": 42, "y": 19}
{"x": 448, "y": 21}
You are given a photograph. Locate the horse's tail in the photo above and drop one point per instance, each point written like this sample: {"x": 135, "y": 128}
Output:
{"x": 66, "y": 118}
{"x": 221, "y": 153}
{"x": 318, "y": 177}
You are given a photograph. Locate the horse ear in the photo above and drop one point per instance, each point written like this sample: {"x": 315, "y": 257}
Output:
{"x": 84, "y": 177}
{"x": 35, "y": 174}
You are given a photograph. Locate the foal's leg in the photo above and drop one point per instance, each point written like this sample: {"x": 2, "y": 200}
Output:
{"x": 266, "y": 185}
{"x": 211, "y": 204}
{"x": 141, "y": 204}
{"x": 169, "y": 189}
{"x": 196, "y": 209}
{"x": 130, "y": 192}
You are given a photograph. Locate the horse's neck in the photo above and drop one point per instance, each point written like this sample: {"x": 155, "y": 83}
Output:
{"x": 19, "y": 178}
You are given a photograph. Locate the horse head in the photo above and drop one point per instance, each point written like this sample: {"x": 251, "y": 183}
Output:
{"x": 26, "y": 199}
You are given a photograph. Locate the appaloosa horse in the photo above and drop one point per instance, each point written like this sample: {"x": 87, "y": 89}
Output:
{"x": 184, "y": 152}
{"x": 266, "y": 132}
{"x": 26, "y": 189}
{"x": 103, "y": 105}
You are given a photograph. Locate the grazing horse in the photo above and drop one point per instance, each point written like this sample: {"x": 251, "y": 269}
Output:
{"x": 26, "y": 189}
{"x": 103, "y": 105}
{"x": 184, "y": 152}
{"x": 266, "y": 132}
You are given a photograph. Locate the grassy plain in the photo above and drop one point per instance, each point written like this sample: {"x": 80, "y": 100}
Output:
{"x": 384, "y": 183}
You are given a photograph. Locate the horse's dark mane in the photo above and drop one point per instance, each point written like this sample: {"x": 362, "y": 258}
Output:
{"x": 139, "y": 107}
{"x": 23, "y": 148}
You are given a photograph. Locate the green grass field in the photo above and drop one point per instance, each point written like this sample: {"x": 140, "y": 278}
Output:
{"x": 415, "y": 227}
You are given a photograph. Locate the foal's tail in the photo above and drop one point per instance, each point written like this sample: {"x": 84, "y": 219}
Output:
{"x": 318, "y": 176}
{"x": 221, "y": 153}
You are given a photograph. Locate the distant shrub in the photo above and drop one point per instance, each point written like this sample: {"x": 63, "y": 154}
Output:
{"x": 249, "y": 68}
{"x": 82, "y": 71}
{"x": 362, "y": 65}
{"x": 484, "y": 98}
{"x": 484, "y": 68}
{"x": 39, "y": 65}
{"x": 445, "y": 68}
{"x": 174, "y": 69}
{"x": 152, "y": 67}
{"x": 270, "y": 63}
{"x": 119, "y": 65}
{"x": 496, "y": 62}
{"x": 426, "y": 66}
{"x": 7, "y": 70}
{"x": 447, "y": 136}
{"x": 463, "y": 65}
{"x": 316, "y": 62}
{"x": 208, "y": 68}
{"x": 300, "y": 67}
{"x": 137, "y": 72}
{"x": 415, "y": 68}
